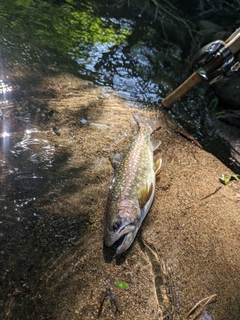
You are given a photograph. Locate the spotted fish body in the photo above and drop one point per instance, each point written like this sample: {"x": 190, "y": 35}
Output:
{"x": 133, "y": 186}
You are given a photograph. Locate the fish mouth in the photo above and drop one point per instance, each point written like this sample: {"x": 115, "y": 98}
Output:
{"x": 122, "y": 239}
{"x": 125, "y": 229}
{"x": 125, "y": 238}
{"x": 124, "y": 242}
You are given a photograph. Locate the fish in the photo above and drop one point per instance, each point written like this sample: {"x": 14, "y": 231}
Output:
{"x": 132, "y": 189}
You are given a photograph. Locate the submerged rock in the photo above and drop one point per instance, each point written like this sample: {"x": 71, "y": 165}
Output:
{"x": 231, "y": 117}
{"x": 227, "y": 90}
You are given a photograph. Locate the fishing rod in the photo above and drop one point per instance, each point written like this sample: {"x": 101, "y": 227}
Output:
{"x": 215, "y": 55}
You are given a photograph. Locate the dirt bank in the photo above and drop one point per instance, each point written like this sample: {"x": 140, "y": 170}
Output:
{"x": 188, "y": 246}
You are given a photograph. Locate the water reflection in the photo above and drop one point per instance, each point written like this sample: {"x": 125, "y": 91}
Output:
{"x": 126, "y": 68}
{"x": 5, "y": 138}
{"x": 5, "y": 91}
{"x": 127, "y": 72}
{"x": 26, "y": 156}
{"x": 33, "y": 157}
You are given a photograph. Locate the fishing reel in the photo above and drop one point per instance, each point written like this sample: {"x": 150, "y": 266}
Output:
{"x": 211, "y": 51}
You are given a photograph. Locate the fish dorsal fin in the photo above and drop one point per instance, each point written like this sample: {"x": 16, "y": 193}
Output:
{"x": 157, "y": 166}
{"x": 155, "y": 143}
{"x": 145, "y": 194}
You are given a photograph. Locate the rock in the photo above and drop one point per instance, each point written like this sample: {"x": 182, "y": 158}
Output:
{"x": 228, "y": 92}
{"x": 231, "y": 117}
{"x": 211, "y": 31}
{"x": 208, "y": 25}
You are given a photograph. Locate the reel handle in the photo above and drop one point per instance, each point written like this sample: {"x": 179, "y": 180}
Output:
{"x": 231, "y": 46}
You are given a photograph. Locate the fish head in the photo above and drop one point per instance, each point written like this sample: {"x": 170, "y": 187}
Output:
{"x": 123, "y": 225}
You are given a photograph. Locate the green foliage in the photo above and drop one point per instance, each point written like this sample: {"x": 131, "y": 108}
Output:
{"x": 35, "y": 31}
{"x": 225, "y": 178}
{"x": 213, "y": 104}
{"x": 122, "y": 285}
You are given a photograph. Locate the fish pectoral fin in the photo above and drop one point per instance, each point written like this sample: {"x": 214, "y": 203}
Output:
{"x": 145, "y": 194}
{"x": 155, "y": 143}
{"x": 115, "y": 160}
{"x": 157, "y": 166}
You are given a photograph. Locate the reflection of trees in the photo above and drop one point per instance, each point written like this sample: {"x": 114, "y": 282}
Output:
{"x": 41, "y": 31}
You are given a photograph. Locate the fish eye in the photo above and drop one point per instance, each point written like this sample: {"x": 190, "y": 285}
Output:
{"x": 116, "y": 225}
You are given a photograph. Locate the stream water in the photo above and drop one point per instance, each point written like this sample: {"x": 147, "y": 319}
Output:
{"x": 136, "y": 62}
{"x": 139, "y": 65}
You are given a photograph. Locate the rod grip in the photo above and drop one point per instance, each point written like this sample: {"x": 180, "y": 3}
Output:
{"x": 234, "y": 43}
{"x": 186, "y": 86}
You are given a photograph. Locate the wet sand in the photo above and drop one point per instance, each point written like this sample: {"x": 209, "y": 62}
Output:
{"x": 56, "y": 266}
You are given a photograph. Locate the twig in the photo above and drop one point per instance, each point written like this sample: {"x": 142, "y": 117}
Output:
{"x": 112, "y": 299}
{"x": 209, "y": 195}
{"x": 165, "y": 10}
{"x": 208, "y": 300}
{"x": 101, "y": 303}
{"x": 187, "y": 135}
{"x": 144, "y": 7}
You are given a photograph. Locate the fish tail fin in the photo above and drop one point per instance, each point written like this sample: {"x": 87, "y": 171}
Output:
{"x": 152, "y": 124}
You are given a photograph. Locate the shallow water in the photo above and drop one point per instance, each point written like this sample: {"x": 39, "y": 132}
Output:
{"x": 26, "y": 155}
{"x": 134, "y": 62}
{"x": 130, "y": 59}
{"x": 144, "y": 68}
{"x": 37, "y": 224}
{"x": 135, "y": 71}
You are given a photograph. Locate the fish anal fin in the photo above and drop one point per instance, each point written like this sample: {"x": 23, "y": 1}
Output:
{"x": 145, "y": 194}
{"x": 157, "y": 166}
{"x": 155, "y": 143}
